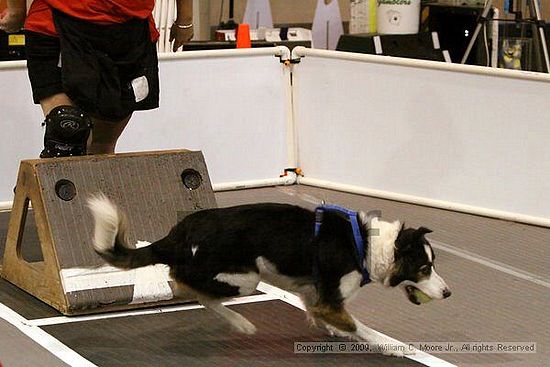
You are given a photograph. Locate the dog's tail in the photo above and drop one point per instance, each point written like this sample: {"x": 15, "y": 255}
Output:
{"x": 110, "y": 237}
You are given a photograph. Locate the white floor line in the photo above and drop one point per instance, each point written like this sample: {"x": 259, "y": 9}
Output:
{"x": 419, "y": 356}
{"x": 195, "y": 306}
{"x": 493, "y": 264}
{"x": 44, "y": 339}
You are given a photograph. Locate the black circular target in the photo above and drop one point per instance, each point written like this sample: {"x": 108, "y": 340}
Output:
{"x": 191, "y": 179}
{"x": 65, "y": 190}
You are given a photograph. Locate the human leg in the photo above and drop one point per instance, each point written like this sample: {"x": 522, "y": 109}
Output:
{"x": 105, "y": 135}
{"x": 53, "y": 101}
{"x": 67, "y": 127}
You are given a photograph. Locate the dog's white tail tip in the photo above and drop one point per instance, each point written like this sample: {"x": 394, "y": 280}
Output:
{"x": 107, "y": 220}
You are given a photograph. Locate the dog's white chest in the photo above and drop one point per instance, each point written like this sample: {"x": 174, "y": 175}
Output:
{"x": 350, "y": 284}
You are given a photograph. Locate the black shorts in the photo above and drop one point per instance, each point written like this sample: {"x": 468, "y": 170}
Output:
{"x": 109, "y": 71}
{"x": 43, "y": 53}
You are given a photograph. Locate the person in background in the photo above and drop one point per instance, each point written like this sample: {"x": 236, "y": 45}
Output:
{"x": 91, "y": 64}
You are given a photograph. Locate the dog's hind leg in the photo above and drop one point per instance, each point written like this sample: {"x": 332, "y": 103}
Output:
{"x": 384, "y": 344}
{"x": 224, "y": 285}
{"x": 336, "y": 317}
{"x": 246, "y": 283}
{"x": 238, "y": 321}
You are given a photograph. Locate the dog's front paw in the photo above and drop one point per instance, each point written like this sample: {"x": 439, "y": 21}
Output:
{"x": 393, "y": 352}
{"x": 397, "y": 350}
{"x": 336, "y": 333}
{"x": 392, "y": 348}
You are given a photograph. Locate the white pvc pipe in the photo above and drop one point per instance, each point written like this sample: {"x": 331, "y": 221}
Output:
{"x": 201, "y": 18}
{"x": 291, "y": 136}
{"x": 289, "y": 179}
{"x": 494, "y": 49}
{"x": 156, "y": 13}
{"x": 162, "y": 25}
{"x": 301, "y": 51}
{"x": 417, "y": 200}
{"x": 542, "y": 35}
{"x": 156, "y": 16}
{"x": 17, "y": 64}
{"x": 280, "y": 51}
{"x": 5, "y": 206}
{"x": 170, "y": 17}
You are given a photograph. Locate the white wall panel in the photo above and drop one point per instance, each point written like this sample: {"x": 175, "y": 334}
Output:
{"x": 452, "y": 136}
{"x": 444, "y": 132}
{"x": 21, "y": 136}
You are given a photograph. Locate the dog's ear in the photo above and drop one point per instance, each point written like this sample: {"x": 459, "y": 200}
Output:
{"x": 401, "y": 230}
{"x": 395, "y": 280}
{"x": 363, "y": 219}
{"x": 423, "y": 231}
{"x": 406, "y": 238}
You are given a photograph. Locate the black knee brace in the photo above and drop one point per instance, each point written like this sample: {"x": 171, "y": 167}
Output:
{"x": 67, "y": 132}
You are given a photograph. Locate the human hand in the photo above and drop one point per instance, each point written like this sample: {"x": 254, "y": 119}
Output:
{"x": 12, "y": 19}
{"x": 180, "y": 34}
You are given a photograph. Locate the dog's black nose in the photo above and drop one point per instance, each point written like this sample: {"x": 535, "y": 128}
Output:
{"x": 446, "y": 293}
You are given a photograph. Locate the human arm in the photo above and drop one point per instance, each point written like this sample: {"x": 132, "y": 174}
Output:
{"x": 182, "y": 29}
{"x": 13, "y": 18}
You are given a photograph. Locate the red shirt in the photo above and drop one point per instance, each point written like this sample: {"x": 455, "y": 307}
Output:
{"x": 40, "y": 19}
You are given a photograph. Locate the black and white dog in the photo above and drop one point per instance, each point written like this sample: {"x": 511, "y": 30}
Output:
{"x": 222, "y": 253}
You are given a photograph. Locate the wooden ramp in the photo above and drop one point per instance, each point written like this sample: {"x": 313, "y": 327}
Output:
{"x": 154, "y": 189}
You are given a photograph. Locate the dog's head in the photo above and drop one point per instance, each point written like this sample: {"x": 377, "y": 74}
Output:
{"x": 403, "y": 257}
{"x": 413, "y": 267}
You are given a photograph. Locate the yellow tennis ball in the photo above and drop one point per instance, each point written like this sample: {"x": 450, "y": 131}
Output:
{"x": 421, "y": 296}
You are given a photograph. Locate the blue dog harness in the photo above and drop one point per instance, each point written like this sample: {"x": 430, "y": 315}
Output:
{"x": 352, "y": 217}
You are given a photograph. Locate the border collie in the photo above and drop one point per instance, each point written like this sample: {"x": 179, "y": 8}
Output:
{"x": 223, "y": 253}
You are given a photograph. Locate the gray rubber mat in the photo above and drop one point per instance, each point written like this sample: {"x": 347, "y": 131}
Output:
{"x": 488, "y": 304}
{"x": 199, "y": 338}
